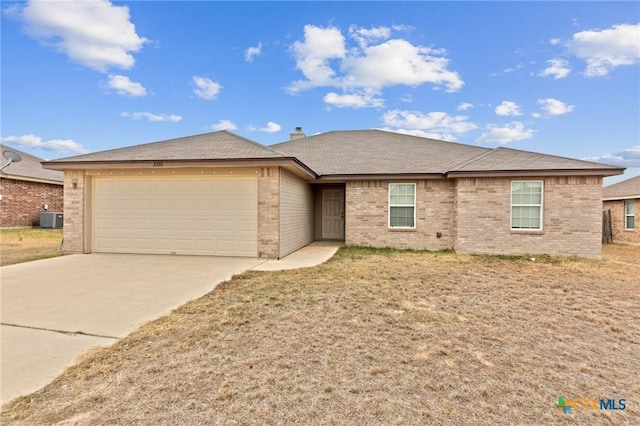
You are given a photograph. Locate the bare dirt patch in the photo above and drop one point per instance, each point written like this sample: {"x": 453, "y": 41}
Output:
{"x": 371, "y": 337}
{"x": 26, "y": 244}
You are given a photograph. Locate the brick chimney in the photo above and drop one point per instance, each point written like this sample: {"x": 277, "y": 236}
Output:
{"x": 297, "y": 134}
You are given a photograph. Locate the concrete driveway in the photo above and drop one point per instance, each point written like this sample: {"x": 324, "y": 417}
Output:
{"x": 54, "y": 310}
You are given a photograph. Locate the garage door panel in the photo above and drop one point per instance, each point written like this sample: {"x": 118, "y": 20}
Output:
{"x": 183, "y": 215}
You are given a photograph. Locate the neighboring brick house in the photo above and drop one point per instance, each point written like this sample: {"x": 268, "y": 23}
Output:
{"x": 220, "y": 194}
{"x": 623, "y": 200}
{"x": 26, "y": 188}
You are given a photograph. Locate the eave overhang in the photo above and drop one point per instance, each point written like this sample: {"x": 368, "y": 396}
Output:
{"x": 622, "y": 198}
{"x": 381, "y": 176}
{"x": 31, "y": 179}
{"x": 288, "y": 162}
{"x": 537, "y": 173}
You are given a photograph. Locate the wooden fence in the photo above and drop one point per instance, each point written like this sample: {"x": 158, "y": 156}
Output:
{"x": 607, "y": 231}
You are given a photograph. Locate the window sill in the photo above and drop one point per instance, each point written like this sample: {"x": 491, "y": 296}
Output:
{"x": 527, "y": 232}
{"x": 402, "y": 229}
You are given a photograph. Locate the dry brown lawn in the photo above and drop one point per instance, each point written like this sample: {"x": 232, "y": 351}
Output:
{"x": 372, "y": 337}
{"x": 624, "y": 253}
{"x": 25, "y": 244}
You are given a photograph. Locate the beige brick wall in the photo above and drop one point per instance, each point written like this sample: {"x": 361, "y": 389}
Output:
{"x": 621, "y": 235}
{"x": 366, "y": 215}
{"x": 268, "y": 212}
{"x": 572, "y": 217}
{"x": 73, "y": 230}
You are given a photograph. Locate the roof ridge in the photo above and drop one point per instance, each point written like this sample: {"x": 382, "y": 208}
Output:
{"x": 474, "y": 159}
{"x": 250, "y": 141}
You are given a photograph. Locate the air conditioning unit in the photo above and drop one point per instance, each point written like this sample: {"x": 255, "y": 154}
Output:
{"x": 51, "y": 220}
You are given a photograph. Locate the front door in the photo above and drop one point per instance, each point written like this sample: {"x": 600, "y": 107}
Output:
{"x": 333, "y": 214}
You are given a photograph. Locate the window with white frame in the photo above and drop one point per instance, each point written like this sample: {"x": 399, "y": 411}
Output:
{"x": 526, "y": 205}
{"x": 629, "y": 215}
{"x": 402, "y": 205}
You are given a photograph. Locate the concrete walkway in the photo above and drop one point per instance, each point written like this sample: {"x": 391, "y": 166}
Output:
{"x": 314, "y": 254}
{"x": 54, "y": 310}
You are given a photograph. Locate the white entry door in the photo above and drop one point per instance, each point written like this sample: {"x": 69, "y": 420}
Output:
{"x": 333, "y": 214}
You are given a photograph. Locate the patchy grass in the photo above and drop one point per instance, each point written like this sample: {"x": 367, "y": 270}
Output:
{"x": 371, "y": 337}
{"x": 625, "y": 253}
{"x": 19, "y": 245}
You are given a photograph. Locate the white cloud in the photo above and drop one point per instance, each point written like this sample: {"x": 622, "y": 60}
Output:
{"x": 438, "y": 125}
{"x": 224, "y": 125}
{"x": 364, "y": 36}
{"x": 398, "y": 62}
{"x": 252, "y": 51}
{"x": 508, "y": 108}
{"x": 554, "y": 107}
{"x": 629, "y": 157}
{"x": 515, "y": 131}
{"x": 555, "y": 41}
{"x": 375, "y": 61}
{"x": 353, "y": 100}
{"x": 125, "y": 87}
{"x": 464, "y": 106}
{"x": 604, "y": 50}
{"x": 55, "y": 145}
{"x": 94, "y": 33}
{"x": 206, "y": 88}
{"x": 416, "y": 132}
{"x": 271, "y": 127}
{"x": 312, "y": 57}
{"x": 508, "y": 70}
{"x": 558, "y": 68}
{"x": 152, "y": 117}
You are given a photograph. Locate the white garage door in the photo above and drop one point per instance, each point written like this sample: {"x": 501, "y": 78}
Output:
{"x": 169, "y": 215}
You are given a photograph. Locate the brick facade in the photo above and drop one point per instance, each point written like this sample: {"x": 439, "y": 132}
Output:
{"x": 74, "y": 218}
{"x": 23, "y": 201}
{"x": 473, "y": 216}
{"x": 620, "y": 234}
{"x": 469, "y": 215}
{"x": 269, "y": 212}
{"x": 367, "y": 210}
{"x": 572, "y": 217}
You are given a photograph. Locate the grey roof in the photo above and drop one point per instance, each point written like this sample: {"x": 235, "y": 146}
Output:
{"x": 629, "y": 188}
{"x": 381, "y": 152}
{"x": 29, "y": 167}
{"x": 507, "y": 159}
{"x": 348, "y": 153}
{"x": 363, "y": 152}
{"x": 221, "y": 145}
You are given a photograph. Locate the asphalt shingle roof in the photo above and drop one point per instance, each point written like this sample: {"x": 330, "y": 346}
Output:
{"x": 221, "y": 145}
{"x": 381, "y": 152}
{"x": 625, "y": 189}
{"x": 507, "y": 159}
{"x": 348, "y": 153}
{"x": 28, "y": 167}
{"x": 362, "y": 152}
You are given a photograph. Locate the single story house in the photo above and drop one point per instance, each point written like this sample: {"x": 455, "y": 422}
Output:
{"x": 27, "y": 189}
{"x": 221, "y": 194}
{"x": 623, "y": 200}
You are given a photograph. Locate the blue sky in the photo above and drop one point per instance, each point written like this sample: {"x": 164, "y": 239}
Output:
{"x": 560, "y": 78}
